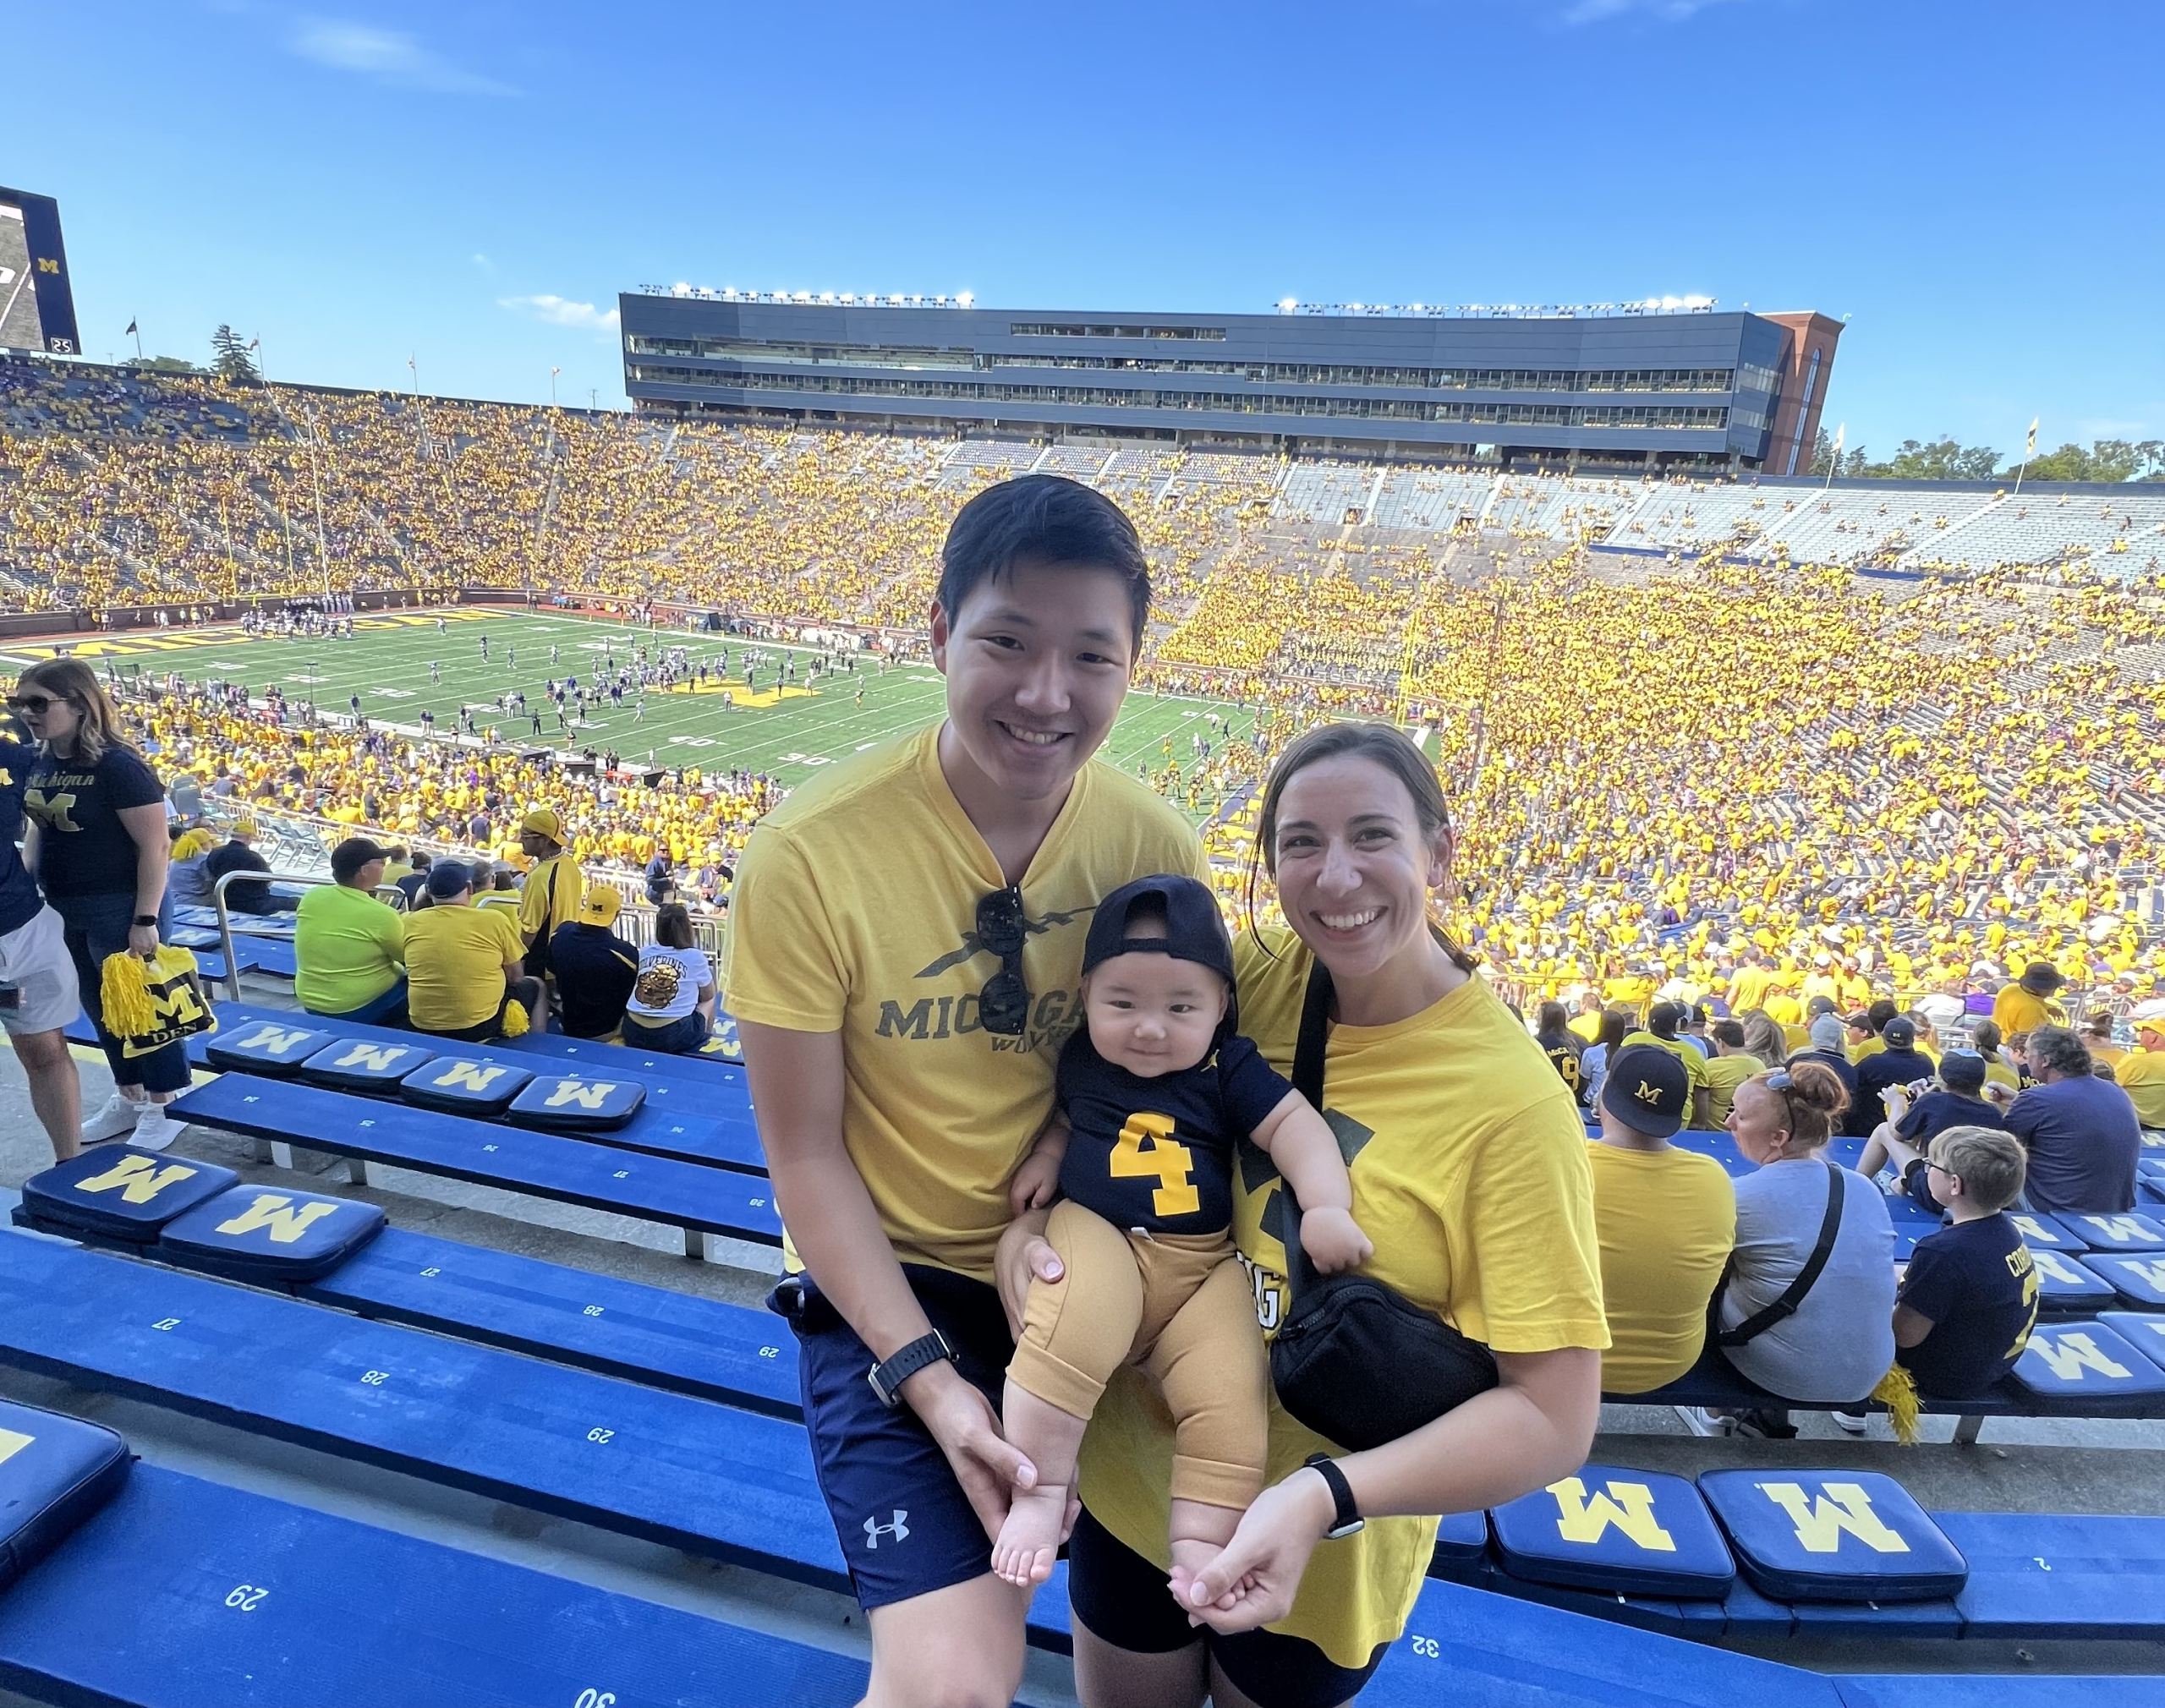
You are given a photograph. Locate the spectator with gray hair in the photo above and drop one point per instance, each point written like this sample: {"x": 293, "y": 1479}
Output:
{"x": 2079, "y": 1129}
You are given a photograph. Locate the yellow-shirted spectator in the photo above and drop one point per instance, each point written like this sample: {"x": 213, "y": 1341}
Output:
{"x": 2142, "y": 1073}
{"x": 554, "y": 884}
{"x": 1665, "y": 1219}
{"x": 2027, "y": 1004}
{"x": 1730, "y": 1066}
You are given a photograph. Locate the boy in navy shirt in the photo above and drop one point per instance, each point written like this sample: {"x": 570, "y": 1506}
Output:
{"x": 1956, "y": 1099}
{"x": 1969, "y": 1297}
{"x": 1152, "y": 1092}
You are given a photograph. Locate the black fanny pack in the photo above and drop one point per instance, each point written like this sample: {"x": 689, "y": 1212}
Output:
{"x": 1354, "y": 1360}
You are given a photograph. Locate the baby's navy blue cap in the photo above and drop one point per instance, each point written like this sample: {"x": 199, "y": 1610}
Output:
{"x": 1195, "y": 930}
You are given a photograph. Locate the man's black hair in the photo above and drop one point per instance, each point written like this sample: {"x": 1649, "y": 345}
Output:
{"x": 1880, "y": 1013}
{"x": 1042, "y": 518}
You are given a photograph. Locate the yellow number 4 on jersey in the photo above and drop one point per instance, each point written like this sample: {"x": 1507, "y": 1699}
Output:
{"x": 1146, "y": 1147}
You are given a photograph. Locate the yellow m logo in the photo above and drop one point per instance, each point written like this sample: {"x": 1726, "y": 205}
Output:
{"x": 587, "y": 1097}
{"x": 273, "y": 1040}
{"x": 473, "y": 1075}
{"x": 378, "y": 1056}
{"x": 1629, "y": 1506}
{"x": 137, "y": 1177}
{"x": 1820, "y": 1523}
{"x": 285, "y": 1224}
{"x": 2070, "y": 1355}
{"x": 2118, "y": 1229}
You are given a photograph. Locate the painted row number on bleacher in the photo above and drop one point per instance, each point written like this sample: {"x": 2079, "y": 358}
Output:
{"x": 592, "y": 1311}
{"x": 166, "y": 1322}
{"x": 771, "y": 1352}
{"x": 244, "y": 1596}
{"x": 601, "y": 1436}
{"x": 1427, "y": 1648}
{"x": 374, "y": 1378}
{"x": 596, "y": 1699}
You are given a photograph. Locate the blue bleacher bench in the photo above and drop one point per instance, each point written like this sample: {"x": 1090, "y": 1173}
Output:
{"x": 582, "y": 1171}
{"x": 699, "y": 1119}
{"x": 234, "y": 1600}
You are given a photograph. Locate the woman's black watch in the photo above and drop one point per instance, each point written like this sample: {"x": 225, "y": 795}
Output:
{"x": 888, "y": 1376}
{"x": 146, "y": 919}
{"x": 1347, "y": 1519}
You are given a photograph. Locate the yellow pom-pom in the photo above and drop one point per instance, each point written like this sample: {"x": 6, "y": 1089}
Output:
{"x": 124, "y": 996}
{"x": 516, "y": 1023}
{"x": 1897, "y": 1392}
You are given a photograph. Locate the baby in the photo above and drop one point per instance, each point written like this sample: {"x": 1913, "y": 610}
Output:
{"x": 1152, "y": 1092}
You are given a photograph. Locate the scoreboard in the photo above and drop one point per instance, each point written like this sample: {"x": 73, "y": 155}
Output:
{"x": 37, "y": 302}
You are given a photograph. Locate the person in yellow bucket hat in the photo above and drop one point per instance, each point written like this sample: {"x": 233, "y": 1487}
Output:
{"x": 553, "y": 888}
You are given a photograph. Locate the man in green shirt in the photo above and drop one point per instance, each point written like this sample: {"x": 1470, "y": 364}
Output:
{"x": 349, "y": 948}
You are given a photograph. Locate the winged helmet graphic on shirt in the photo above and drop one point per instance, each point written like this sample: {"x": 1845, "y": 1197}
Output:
{"x": 972, "y": 946}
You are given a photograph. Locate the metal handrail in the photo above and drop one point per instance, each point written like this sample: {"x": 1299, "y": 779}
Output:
{"x": 227, "y": 930}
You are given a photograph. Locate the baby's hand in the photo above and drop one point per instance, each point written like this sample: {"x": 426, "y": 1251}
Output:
{"x": 1035, "y": 1181}
{"x": 1332, "y": 1239}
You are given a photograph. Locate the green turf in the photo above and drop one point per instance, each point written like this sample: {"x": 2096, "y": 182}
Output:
{"x": 388, "y": 667}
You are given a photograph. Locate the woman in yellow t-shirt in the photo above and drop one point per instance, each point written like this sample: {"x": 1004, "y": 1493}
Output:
{"x": 1470, "y": 1173}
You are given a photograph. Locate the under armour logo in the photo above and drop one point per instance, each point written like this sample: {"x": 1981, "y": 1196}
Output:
{"x": 1646, "y": 1093}
{"x": 898, "y": 1530}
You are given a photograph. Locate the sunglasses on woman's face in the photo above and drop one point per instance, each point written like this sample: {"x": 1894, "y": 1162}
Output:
{"x": 34, "y": 704}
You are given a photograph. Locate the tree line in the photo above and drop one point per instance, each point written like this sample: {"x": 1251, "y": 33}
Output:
{"x": 2103, "y": 460}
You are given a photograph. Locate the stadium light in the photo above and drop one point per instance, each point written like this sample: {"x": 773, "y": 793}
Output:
{"x": 965, "y": 299}
{"x": 1287, "y": 304}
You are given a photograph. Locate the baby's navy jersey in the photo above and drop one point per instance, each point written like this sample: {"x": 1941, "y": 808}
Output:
{"x": 1156, "y": 1154}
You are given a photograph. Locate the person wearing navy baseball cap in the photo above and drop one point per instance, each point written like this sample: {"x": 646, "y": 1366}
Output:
{"x": 1153, "y": 1090}
{"x": 1665, "y": 1218}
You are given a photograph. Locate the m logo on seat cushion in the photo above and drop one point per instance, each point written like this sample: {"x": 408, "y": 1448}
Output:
{"x": 574, "y": 1105}
{"x": 267, "y": 1048}
{"x": 364, "y": 1064}
{"x": 1625, "y": 1532}
{"x": 464, "y": 1087}
{"x": 1842, "y": 1509}
{"x": 268, "y": 1236}
{"x": 119, "y": 1194}
{"x": 1833, "y": 1536}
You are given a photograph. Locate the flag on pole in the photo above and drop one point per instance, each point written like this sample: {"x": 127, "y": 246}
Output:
{"x": 1838, "y": 431}
{"x": 2030, "y": 448}
{"x": 130, "y": 332}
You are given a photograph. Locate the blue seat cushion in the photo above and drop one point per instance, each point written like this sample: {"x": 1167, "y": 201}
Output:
{"x": 271, "y": 1047}
{"x": 1630, "y": 1532}
{"x": 1461, "y": 1544}
{"x": 55, "y": 1471}
{"x": 2139, "y": 1276}
{"x": 2143, "y": 1330}
{"x": 2066, "y": 1284}
{"x": 2083, "y": 1358}
{"x": 365, "y": 1064}
{"x": 117, "y": 1193}
{"x": 461, "y": 1086}
{"x": 566, "y": 1104}
{"x": 1832, "y": 1536}
{"x": 2125, "y": 1232}
{"x": 2043, "y": 1233}
{"x": 264, "y": 1234}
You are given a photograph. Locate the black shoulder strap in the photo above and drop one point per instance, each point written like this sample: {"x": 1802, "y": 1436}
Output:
{"x": 1307, "y": 1080}
{"x": 1793, "y": 1295}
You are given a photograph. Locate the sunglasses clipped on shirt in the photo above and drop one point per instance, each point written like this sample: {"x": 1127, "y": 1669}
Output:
{"x": 1003, "y": 1004}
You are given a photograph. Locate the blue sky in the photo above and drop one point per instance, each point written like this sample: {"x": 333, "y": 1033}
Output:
{"x": 471, "y": 181}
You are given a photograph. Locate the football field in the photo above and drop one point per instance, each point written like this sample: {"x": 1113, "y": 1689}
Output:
{"x": 399, "y": 665}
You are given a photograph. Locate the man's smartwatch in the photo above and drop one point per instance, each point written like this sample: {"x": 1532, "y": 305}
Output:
{"x": 888, "y": 1376}
{"x": 1347, "y": 1519}
{"x": 146, "y": 919}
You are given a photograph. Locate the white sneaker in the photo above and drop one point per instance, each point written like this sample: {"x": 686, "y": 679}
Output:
{"x": 155, "y": 1129}
{"x": 1700, "y": 1421}
{"x": 115, "y": 1120}
{"x": 1854, "y": 1422}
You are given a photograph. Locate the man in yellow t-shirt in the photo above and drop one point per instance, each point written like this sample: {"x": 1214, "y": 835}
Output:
{"x": 1731, "y": 1065}
{"x": 1748, "y": 989}
{"x": 1586, "y": 1024}
{"x": 903, "y": 962}
{"x": 464, "y": 966}
{"x": 1666, "y": 1219}
{"x": 2142, "y": 1073}
{"x": 2027, "y": 1004}
{"x": 550, "y": 895}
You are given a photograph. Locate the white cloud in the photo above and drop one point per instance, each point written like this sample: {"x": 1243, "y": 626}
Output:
{"x": 560, "y": 311}
{"x": 1668, "y": 11}
{"x": 483, "y": 262}
{"x": 387, "y": 55}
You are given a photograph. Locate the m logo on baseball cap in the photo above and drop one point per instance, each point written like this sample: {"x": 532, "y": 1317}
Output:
{"x": 1647, "y": 1089}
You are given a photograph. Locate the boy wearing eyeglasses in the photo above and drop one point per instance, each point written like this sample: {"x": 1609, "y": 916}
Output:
{"x": 904, "y": 961}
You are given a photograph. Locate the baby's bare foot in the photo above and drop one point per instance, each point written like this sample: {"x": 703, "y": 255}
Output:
{"x": 1029, "y": 1540}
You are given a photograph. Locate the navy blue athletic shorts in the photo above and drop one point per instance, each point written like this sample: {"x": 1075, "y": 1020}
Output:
{"x": 905, "y": 1527}
{"x": 1120, "y": 1598}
